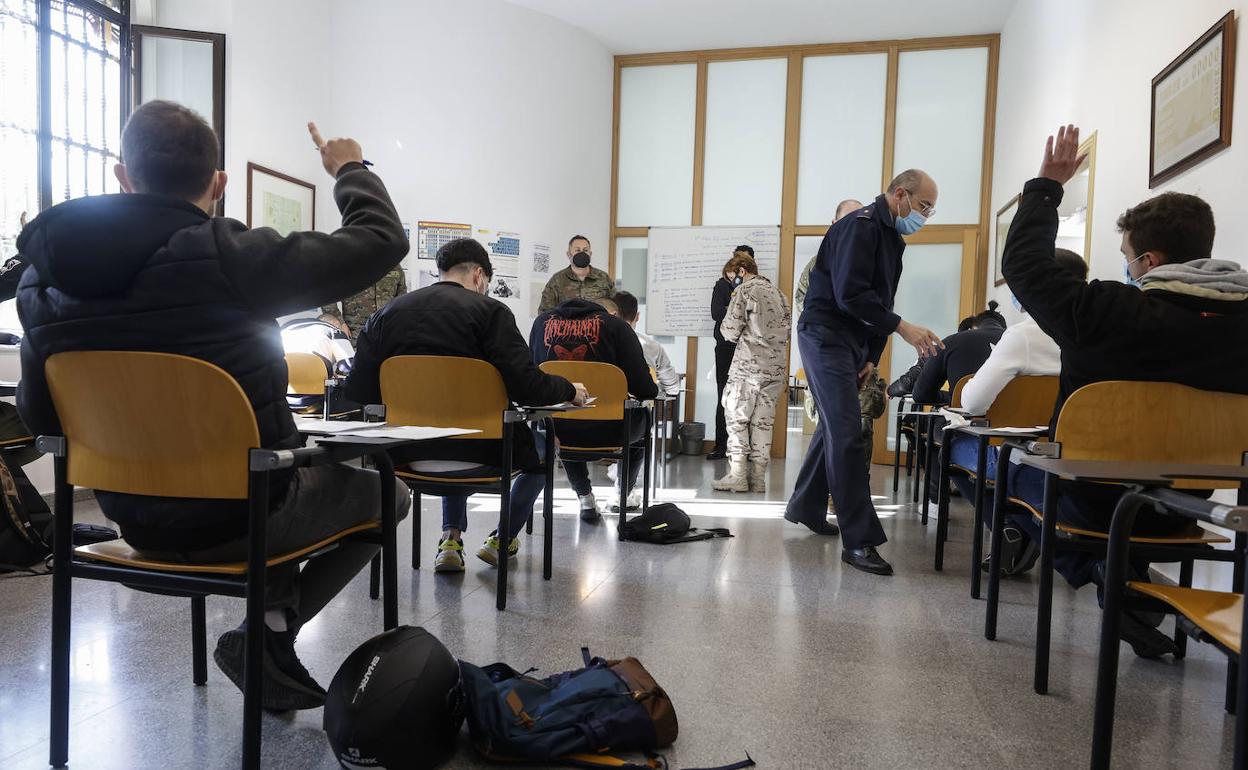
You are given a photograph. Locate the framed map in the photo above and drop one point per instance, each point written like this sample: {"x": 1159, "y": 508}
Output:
{"x": 1005, "y": 218}
{"x": 1192, "y": 100}
{"x": 281, "y": 202}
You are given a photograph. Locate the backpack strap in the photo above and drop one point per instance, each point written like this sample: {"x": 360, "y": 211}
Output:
{"x": 747, "y": 762}
{"x": 652, "y": 762}
{"x": 699, "y": 534}
{"x": 586, "y": 657}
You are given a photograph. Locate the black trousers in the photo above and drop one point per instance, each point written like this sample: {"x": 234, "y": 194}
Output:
{"x": 723, "y": 361}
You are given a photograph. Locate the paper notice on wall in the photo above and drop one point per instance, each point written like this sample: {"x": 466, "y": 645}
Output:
{"x": 541, "y": 259}
{"x": 421, "y": 264}
{"x": 504, "y": 250}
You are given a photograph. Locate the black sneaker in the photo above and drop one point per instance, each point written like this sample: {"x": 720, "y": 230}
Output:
{"x": 718, "y": 453}
{"x": 287, "y": 684}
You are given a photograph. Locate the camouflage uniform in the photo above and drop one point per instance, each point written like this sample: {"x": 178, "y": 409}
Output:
{"x": 758, "y": 321}
{"x": 358, "y": 309}
{"x": 564, "y": 285}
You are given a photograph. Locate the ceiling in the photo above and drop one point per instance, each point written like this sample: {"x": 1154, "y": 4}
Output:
{"x": 644, "y": 26}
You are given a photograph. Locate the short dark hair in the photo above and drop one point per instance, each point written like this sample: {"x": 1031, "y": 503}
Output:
{"x": 991, "y": 315}
{"x": 463, "y": 251}
{"x": 966, "y": 323}
{"x": 576, "y": 238}
{"x": 608, "y": 305}
{"x": 1071, "y": 263}
{"x": 748, "y": 249}
{"x": 1176, "y": 225}
{"x": 627, "y": 304}
{"x": 169, "y": 150}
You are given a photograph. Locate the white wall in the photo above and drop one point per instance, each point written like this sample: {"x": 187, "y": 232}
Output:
{"x": 1091, "y": 63}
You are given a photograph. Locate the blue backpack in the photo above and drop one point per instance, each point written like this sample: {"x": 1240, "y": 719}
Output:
{"x": 573, "y": 718}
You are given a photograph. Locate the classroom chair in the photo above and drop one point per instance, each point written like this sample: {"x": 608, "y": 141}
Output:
{"x": 308, "y": 389}
{"x": 904, "y": 429}
{"x": 457, "y": 392}
{"x": 928, "y": 443}
{"x": 1024, "y": 402}
{"x": 128, "y": 428}
{"x": 606, "y": 382}
{"x": 1214, "y": 617}
{"x": 1160, "y": 422}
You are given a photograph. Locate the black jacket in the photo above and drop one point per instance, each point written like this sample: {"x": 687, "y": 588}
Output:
{"x": 581, "y": 330}
{"x": 147, "y": 272}
{"x": 1111, "y": 331}
{"x": 962, "y": 354}
{"x": 721, "y": 295}
{"x": 855, "y": 276}
{"x": 446, "y": 319}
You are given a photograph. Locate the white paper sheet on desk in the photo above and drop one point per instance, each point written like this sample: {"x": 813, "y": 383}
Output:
{"x": 563, "y": 405}
{"x": 333, "y": 427}
{"x": 413, "y": 432}
{"x": 1031, "y": 429}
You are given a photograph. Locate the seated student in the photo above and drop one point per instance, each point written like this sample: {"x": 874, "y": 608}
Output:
{"x": 963, "y": 354}
{"x": 585, "y": 330}
{"x": 454, "y": 317}
{"x": 153, "y": 269}
{"x": 1024, "y": 349}
{"x": 1180, "y": 318}
{"x": 904, "y": 384}
{"x": 656, "y": 356}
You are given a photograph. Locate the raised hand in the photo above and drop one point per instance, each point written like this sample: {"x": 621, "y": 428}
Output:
{"x": 335, "y": 153}
{"x": 1061, "y": 156}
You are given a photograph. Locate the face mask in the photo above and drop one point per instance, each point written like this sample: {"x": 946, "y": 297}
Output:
{"x": 1126, "y": 272}
{"x": 1017, "y": 305}
{"x": 484, "y": 286}
{"x": 910, "y": 223}
{"x": 580, "y": 259}
{"x": 736, "y": 280}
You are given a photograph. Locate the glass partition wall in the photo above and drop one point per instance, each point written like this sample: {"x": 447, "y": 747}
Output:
{"x": 769, "y": 136}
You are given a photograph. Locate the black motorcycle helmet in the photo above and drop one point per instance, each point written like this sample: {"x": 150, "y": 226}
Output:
{"x": 395, "y": 703}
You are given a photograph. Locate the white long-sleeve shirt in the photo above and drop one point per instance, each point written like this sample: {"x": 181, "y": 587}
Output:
{"x": 657, "y": 358}
{"x": 1023, "y": 350}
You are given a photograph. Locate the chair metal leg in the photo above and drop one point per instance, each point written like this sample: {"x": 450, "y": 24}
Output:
{"x": 389, "y": 542}
{"x": 645, "y": 462}
{"x": 998, "y": 532}
{"x": 415, "y": 517}
{"x": 1185, "y": 580}
{"x": 253, "y": 644}
{"x": 1044, "y": 607}
{"x": 942, "y": 504}
{"x": 58, "y": 753}
{"x": 548, "y": 503}
{"x": 199, "y": 640}
{"x": 977, "y": 531}
{"x": 374, "y": 577}
{"x": 897, "y": 436}
{"x": 625, "y": 469}
{"x": 504, "y": 517}
{"x": 927, "y": 488}
{"x": 919, "y": 459}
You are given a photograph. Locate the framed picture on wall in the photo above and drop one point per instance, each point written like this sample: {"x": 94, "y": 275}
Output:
{"x": 1192, "y": 100}
{"x": 1005, "y": 217}
{"x": 281, "y": 202}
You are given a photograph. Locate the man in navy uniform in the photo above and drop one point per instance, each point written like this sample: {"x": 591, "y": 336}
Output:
{"x": 846, "y": 321}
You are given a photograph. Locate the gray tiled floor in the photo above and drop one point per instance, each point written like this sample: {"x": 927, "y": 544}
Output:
{"x": 765, "y": 643}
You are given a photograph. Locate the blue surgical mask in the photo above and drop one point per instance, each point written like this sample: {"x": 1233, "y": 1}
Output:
{"x": 1017, "y": 305}
{"x": 1126, "y": 272}
{"x": 736, "y": 280}
{"x": 910, "y": 223}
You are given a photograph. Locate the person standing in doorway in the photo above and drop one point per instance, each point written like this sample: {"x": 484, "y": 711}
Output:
{"x": 580, "y": 280}
{"x": 721, "y": 295}
{"x": 844, "y": 327}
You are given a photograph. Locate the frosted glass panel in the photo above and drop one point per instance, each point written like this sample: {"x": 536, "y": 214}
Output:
{"x": 928, "y": 296}
{"x": 630, "y": 276}
{"x": 807, "y": 247}
{"x": 708, "y": 395}
{"x": 842, "y": 137}
{"x": 657, "y": 107}
{"x": 744, "y": 142}
{"x": 940, "y": 125}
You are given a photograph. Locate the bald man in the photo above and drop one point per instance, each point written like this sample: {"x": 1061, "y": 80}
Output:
{"x": 846, "y": 320}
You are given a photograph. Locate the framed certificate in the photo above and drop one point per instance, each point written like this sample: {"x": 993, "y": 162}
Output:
{"x": 1192, "y": 100}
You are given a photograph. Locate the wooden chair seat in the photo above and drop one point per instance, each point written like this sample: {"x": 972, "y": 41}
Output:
{"x": 1193, "y": 535}
{"x": 434, "y": 477}
{"x": 120, "y": 552}
{"x": 590, "y": 449}
{"x": 1218, "y": 613}
{"x": 16, "y": 441}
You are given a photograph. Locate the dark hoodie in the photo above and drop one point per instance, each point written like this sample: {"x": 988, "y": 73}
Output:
{"x": 152, "y": 273}
{"x": 963, "y": 354}
{"x": 582, "y": 330}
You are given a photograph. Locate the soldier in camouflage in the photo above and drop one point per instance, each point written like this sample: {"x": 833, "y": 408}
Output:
{"x": 758, "y": 321}
{"x": 356, "y": 310}
{"x": 579, "y": 280}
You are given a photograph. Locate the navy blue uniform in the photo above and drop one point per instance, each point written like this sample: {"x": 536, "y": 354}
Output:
{"x": 845, "y": 323}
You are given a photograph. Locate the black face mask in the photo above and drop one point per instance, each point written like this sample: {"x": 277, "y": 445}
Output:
{"x": 580, "y": 259}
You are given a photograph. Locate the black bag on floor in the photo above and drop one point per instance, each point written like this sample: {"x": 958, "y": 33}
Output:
{"x": 664, "y": 524}
{"x": 26, "y": 522}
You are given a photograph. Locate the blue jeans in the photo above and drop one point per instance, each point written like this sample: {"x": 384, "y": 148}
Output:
{"x": 524, "y": 492}
{"x": 964, "y": 452}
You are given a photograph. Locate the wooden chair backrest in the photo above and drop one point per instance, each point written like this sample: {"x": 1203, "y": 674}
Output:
{"x": 605, "y": 382}
{"x": 445, "y": 392}
{"x": 1155, "y": 422}
{"x": 306, "y": 374}
{"x": 955, "y": 400}
{"x": 1024, "y": 401}
{"x": 153, "y": 424}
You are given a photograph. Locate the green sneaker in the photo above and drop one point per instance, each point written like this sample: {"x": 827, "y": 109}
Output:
{"x": 488, "y": 552}
{"x": 450, "y": 556}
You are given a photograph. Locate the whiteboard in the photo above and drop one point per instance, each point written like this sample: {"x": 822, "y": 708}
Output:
{"x": 684, "y": 264}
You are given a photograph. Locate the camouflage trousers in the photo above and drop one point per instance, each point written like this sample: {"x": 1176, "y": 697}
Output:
{"x": 750, "y": 413}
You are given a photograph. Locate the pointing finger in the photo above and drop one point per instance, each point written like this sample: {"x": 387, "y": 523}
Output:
{"x": 316, "y": 135}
